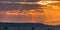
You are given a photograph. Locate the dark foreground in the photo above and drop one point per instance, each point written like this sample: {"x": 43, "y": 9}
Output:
{"x": 27, "y": 28}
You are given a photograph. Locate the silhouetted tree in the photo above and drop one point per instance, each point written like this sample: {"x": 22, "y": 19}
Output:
{"x": 5, "y": 28}
{"x": 32, "y": 28}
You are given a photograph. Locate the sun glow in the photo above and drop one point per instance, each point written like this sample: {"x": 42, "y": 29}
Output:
{"x": 46, "y": 2}
{"x": 52, "y": 13}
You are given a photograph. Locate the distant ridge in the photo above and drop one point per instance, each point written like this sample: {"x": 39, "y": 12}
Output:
{"x": 30, "y": 25}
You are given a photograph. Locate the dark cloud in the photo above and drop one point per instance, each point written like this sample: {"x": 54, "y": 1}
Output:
{"x": 8, "y": 6}
{"x": 32, "y": 0}
{"x": 15, "y": 6}
{"x": 27, "y": 6}
{"x": 5, "y": 6}
{"x": 21, "y": 0}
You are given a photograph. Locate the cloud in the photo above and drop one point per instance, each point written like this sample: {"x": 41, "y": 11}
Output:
{"x": 6, "y": 6}
{"x": 21, "y": 0}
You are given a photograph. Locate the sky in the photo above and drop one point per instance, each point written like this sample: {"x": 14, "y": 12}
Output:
{"x": 5, "y": 7}
{"x": 29, "y": 13}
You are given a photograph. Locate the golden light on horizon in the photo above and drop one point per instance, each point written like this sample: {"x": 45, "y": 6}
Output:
{"x": 52, "y": 13}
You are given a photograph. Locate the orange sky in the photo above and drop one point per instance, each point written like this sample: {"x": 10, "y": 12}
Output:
{"x": 49, "y": 16}
{"x": 52, "y": 13}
